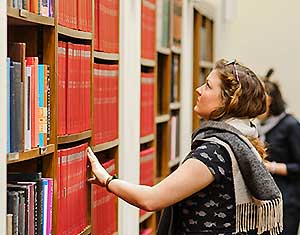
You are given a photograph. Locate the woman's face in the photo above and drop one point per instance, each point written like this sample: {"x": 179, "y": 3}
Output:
{"x": 209, "y": 96}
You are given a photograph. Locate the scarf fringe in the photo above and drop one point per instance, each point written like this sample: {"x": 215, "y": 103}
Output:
{"x": 263, "y": 216}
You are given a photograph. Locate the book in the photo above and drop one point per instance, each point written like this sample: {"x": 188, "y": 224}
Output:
{"x": 31, "y": 177}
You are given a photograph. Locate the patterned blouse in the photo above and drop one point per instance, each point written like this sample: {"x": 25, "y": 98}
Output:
{"x": 211, "y": 210}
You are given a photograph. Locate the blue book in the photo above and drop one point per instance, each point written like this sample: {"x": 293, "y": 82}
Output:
{"x": 41, "y": 87}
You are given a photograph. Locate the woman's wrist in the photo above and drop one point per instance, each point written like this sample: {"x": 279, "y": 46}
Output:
{"x": 273, "y": 168}
{"x": 108, "y": 180}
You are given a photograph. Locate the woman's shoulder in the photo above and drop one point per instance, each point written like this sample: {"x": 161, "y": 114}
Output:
{"x": 210, "y": 146}
{"x": 290, "y": 121}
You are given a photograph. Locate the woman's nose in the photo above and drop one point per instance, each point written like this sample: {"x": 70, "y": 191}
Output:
{"x": 198, "y": 90}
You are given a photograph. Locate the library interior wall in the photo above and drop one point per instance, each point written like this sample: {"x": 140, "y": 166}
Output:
{"x": 264, "y": 34}
{"x": 3, "y": 115}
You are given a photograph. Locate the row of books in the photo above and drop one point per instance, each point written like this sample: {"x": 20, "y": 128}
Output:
{"x": 105, "y": 126}
{"x": 40, "y": 7}
{"x": 75, "y": 14}
{"x": 169, "y": 20}
{"x": 148, "y": 29}
{"x": 174, "y": 151}
{"x": 72, "y": 190}
{"x": 147, "y": 104}
{"x": 147, "y": 169}
{"x": 176, "y": 22}
{"x": 175, "y": 78}
{"x": 29, "y": 203}
{"x": 74, "y": 72}
{"x": 106, "y": 31}
{"x": 28, "y": 101}
{"x": 104, "y": 207}
{"x": 162, "y": 23}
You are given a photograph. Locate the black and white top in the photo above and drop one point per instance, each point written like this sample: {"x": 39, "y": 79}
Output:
{"x": 211, "y": 210}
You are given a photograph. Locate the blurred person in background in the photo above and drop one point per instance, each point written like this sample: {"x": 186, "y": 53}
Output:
{"x": 281, "y": 133}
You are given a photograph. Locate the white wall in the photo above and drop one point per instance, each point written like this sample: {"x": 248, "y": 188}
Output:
{"x": 264, "y": 34}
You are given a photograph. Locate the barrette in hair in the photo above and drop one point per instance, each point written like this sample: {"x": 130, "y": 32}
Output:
{"x": 233, "y": 62}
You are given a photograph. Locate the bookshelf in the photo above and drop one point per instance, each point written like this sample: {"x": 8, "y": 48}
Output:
{"x": 70, "y": 49}
{"x": 203, "y": 50}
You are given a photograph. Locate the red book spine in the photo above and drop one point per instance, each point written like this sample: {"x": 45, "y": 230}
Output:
{"x": 33, "y": 61}
{"x": 59, "y": 193}
{"x": 96, "y": 25}
{"x": 116, "y": 26}
{"x": 88, "y": 87}
{"x": 77, "y": 90}
{"x": 70, "y": 88}
{"x": 116, "y": 104}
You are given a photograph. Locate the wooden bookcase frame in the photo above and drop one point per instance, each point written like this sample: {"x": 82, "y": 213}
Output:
{"x": 201, "y": 65}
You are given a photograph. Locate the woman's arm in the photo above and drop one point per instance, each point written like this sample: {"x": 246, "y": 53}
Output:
{"x": 188, "y": 179}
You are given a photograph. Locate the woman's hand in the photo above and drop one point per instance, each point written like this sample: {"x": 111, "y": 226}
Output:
{"x": 100, "y": 174}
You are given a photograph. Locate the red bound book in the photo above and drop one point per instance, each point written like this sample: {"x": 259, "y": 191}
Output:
{"x": 89, "y": 16}
{"x": 80, "y": 15}
{"x": 152, "y": 27}
{"x": 96, "y": 25}
{"x": 88, "y": 87}
{"x": 77, "y": 99}
{"x": 33, "y": 62}
{"x": 95, "y": 104}
{"x": 116, "y": 104}
{"x": 143, "y": 35}
{"x": 102, "y": 21}
{"x": 110, "y": 103}
{"x": 70, "y": 88}
{"x": 151, "y": 103}
{"x": 64, "y": 185}
{"x": 146, "y": 169}
{"x": 116, "y": 26}
{"x": 59, "y": 193}
{"x": 61, "y": 53}
{"x": 143, "y": 103}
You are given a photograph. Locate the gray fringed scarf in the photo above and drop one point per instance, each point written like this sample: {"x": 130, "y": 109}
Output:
{"x": 258, "y": 199}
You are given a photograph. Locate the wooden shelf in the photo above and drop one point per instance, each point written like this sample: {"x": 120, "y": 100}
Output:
{"x": 24, "y": 17}
{"x": 30, "y": 154}
{"x": 162, "y": 118}
{"x": 176, "y": 50}
{"x": 164, "y": 50}
{"x": 106, "y": 56}
{"x": 147, "y": 62}
{"x": 105, "y": 146}
{"x": 74, "y": 33}
{"x": 206, "y": 64}
{"x": 158, "y": 179}
{"x": 146, "y": 139}
{"x": 146, "y": 216}
{"x": 74, "y": 137}
{"x": 175, "y": 106}
{"x": 174, "y": 162}
{"x": 86, "y": 231}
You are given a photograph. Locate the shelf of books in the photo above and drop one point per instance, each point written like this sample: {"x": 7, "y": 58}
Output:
{"x": 105, "y": 84}
{"x": 63, "y": 83}
{"x": 203, "y": 51}
{"x": 147, "y": 108}
{"x": 62, "y": 74}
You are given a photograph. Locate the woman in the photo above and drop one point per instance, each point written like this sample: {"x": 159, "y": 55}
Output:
{"x": 222, "y": 186}
{"x": 281, "y": 132}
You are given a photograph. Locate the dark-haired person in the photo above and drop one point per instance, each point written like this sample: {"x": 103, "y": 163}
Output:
{"x": 222, "y": 186}
{"x": 281, "y": 132}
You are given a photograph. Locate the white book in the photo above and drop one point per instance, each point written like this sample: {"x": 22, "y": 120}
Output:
{"x": 27, "y": 109}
